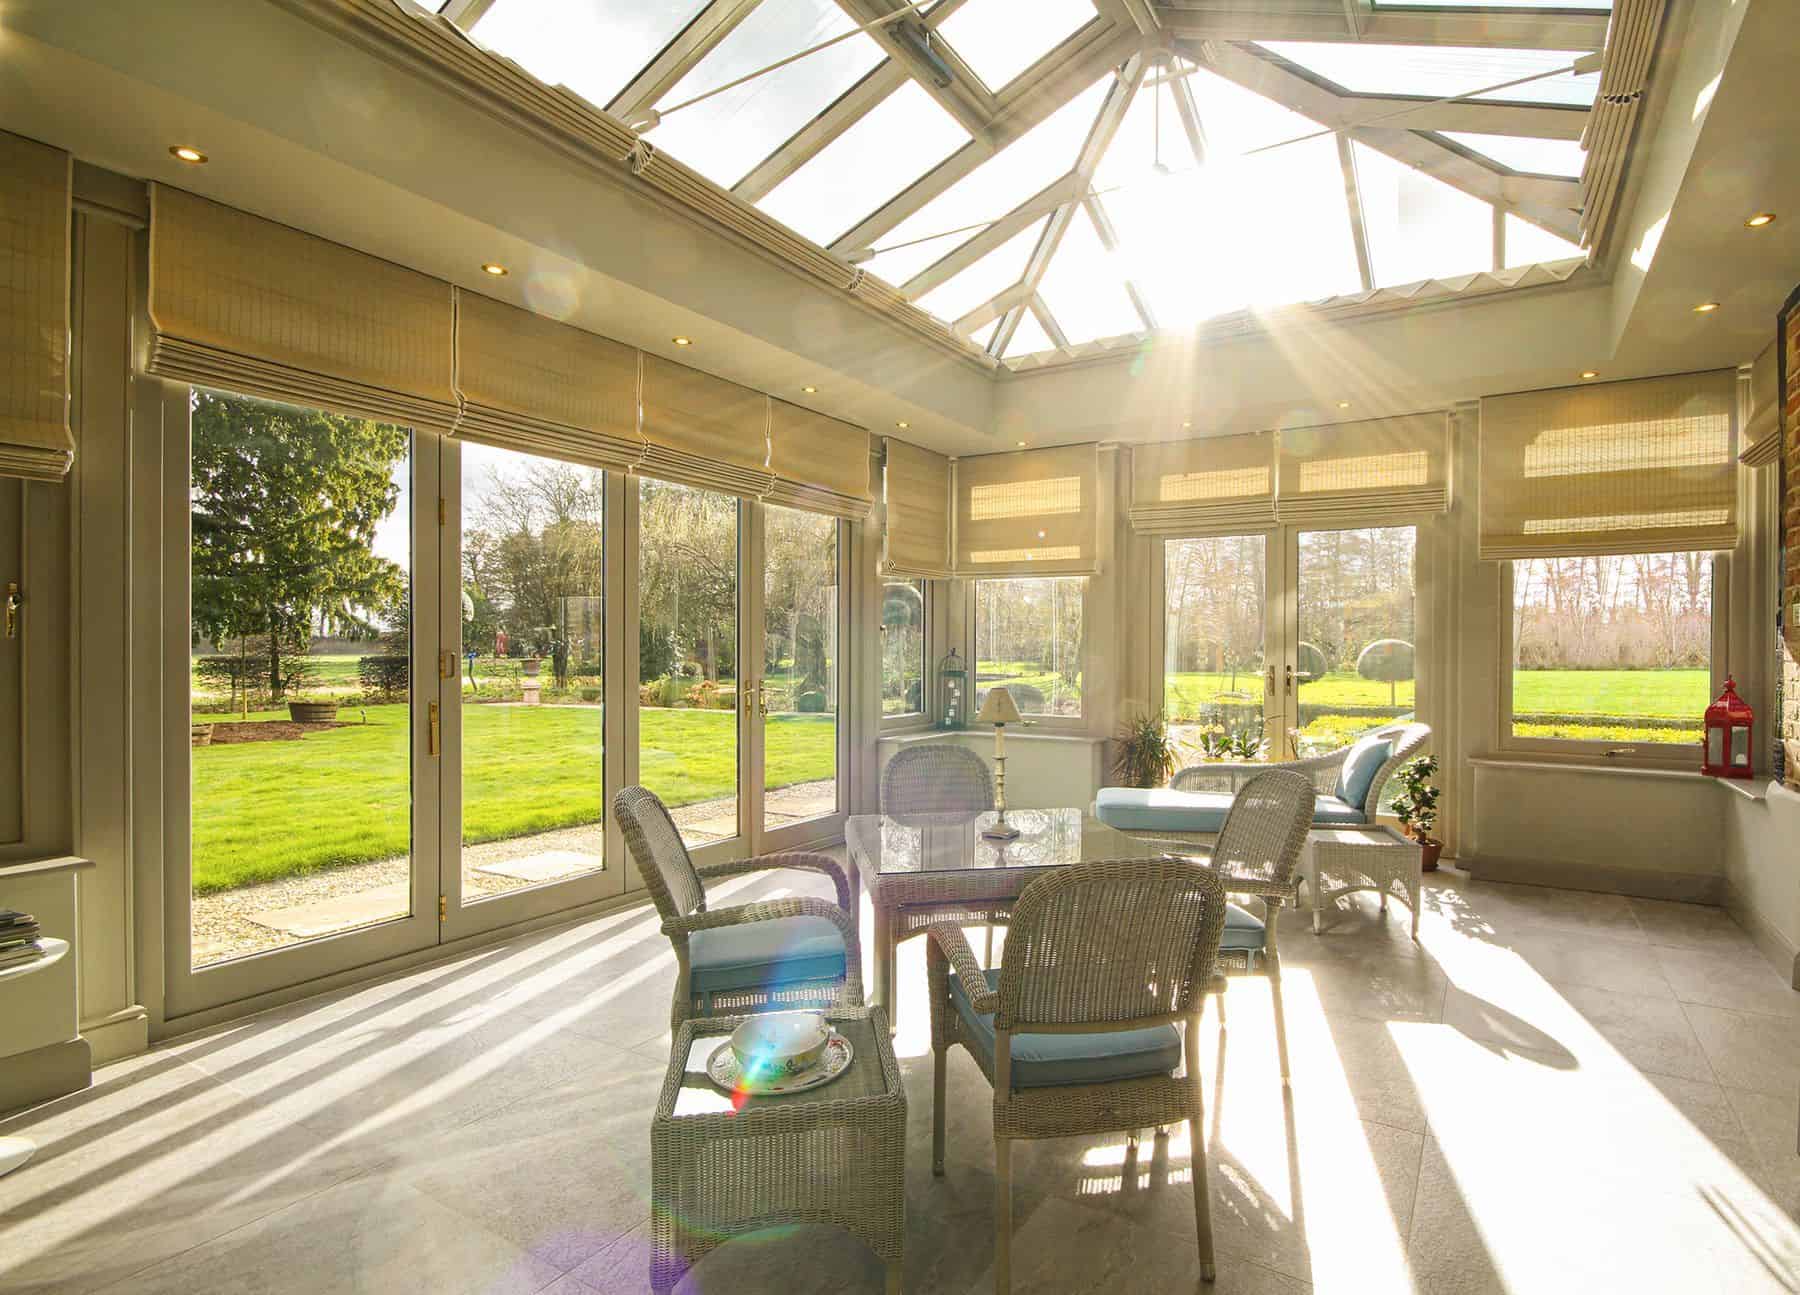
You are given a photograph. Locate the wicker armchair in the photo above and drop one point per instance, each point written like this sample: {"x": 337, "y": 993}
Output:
{"x": 936, "y": 778}
{"x": 777, "y": 953}
{"x": 1324, "y": 770}
{"x": 1256, "y": 855}
{"x": 1076, "y": 1030}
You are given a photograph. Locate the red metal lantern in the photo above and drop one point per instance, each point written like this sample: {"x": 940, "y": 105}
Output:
{"x": 1730, "y": 724}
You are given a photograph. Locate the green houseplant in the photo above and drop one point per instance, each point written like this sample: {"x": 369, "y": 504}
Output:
{"x": 1146, "y": 755}
{"x": 1416, "y": 807}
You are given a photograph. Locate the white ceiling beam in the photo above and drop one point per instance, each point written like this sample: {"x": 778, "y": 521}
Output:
{"x": 1553, "y": 203}
{"x": 1047, "y": 321}
{"x": 1137, "y": 14}
{"x": 1025, "y": 104}
{"x": 698, "y": 39}
{"x": 978, "y": 245}
{"x": 1109, "y": 239}
{"x": 465, "y": 13}
{"x": 1181, "y": 89}
{"x": 1356, "y": 14}
{"x": 965, "y": 98}
{"x": 1359, "y": 228}
{"x": 1501, "y": 29}
{"x": 993, "y": 308}
{"x": 805, "y": 144}
{"x": 1479, "y": 117}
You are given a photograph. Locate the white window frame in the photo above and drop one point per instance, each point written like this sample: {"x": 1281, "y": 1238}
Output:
{"x": 921, "y": 718}
{"x": 1061, "y": 724}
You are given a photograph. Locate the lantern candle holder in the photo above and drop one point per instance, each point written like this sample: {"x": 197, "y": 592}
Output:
{"x": 1730, "y": 736}
{"x": 952, "y": 692}
{"x": 999, "y": 709}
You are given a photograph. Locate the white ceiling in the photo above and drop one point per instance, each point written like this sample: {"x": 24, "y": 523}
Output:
{"x": 303, "y": 128}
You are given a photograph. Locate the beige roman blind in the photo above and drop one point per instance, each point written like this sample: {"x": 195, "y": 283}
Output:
{"x": 252, "y": 306}
{"x": 1622, "y": 467}
{"x": 1365, "y": 472}
{"x": 704, "y": 431}
{"x": 1762, "y": 429}
{"x": 1031, "y": 513}
{"x": 1217, "y": 483}
{"x": 915, "y": 489}
{"x": 34, "y": 310}
{"x": 819, "y": 463}
{"x": 542, "y": 387}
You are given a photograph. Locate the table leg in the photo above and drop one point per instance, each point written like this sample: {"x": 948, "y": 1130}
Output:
{"x": 893, "y": 1279}
{"x": 884, "y": 960}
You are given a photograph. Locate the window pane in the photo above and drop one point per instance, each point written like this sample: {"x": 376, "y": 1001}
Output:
{"x": 594, "y": 47}
{"x": 893, "y": 144}
{"x": 991, "y": 275}
{"x": 1028, "y": 638}
{"x": 723, "y": 137}
{"x": 1419, "y": 227}
{"x": 1440, "y": 71}
{"x": 903, "y": 647}
{"x": 1520, "y": 153}
{"x": 1595, "y": 6}
{"x": 1613, "y": 649}
{"x": 533, "y": 670}
{"x": 998, "y": 40}
{"x": 800, "y": 666}
{"x": 1018, "y": 172}
{"x": 1529, "y": 244}
{"x": 1029, "y": 338}
{"x": 1355, "y": 656}
{"x": 1084, "y": 286}
{"x": 687, "y": 656}
{"x": 1213, "y": 637}
{"x": 301, "y": 604}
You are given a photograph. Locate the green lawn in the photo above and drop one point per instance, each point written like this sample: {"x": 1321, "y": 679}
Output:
{"x": 1622, "y": 694}
{"x": 265, "y": 810}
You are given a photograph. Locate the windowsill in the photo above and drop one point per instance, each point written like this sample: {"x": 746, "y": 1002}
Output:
{"x": 1547, "y": 762}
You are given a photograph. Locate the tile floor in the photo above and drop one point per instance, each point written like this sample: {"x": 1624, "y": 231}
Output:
{"x": 1555, "y": 1091}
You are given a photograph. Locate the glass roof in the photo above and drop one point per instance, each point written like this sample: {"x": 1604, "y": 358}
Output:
{"x": 1210, "y": 198}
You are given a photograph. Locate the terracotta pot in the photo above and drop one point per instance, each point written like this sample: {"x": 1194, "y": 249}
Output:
{"x": 1429, "y": 851}
{"x": 531, "y": 666}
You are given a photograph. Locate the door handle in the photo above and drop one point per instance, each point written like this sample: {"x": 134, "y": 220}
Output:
{"x": 1290, "y": 680}
{"x": 12, "y": 609}
{"x": 433, "y": 724}
{"x": 1271, "y": 681}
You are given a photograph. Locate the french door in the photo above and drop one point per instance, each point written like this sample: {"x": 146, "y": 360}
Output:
{"x": 1293, "y": 638}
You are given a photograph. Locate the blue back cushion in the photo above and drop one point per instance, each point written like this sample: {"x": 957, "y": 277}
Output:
{"x": 1360, "y": 767}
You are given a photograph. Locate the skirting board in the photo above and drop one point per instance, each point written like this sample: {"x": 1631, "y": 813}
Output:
{"x": 1645, "y": 883}
{"x": 1772, "y": 944}
{"x": 117, "y": 1036}
{"x": 27, "y": 1078}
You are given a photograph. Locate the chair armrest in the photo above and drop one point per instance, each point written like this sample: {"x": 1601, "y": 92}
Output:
{"x": 949, "y": 937}
{"x": 768, "y": 909}
{"x": 806, "y": 859}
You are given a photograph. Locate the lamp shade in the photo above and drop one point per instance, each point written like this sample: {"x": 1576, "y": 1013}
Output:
{"x": 998, "y": 707}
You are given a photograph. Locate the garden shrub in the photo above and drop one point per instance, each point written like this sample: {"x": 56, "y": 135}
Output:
{"x": 384, "y": 678}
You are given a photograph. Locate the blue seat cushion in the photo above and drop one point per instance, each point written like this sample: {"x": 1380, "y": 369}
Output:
{"x": 1054, "y": 1060}
{"x": 1243, "y": 929}
{"x": 780, "y": 951}
{"x": 1360, "y": 767}
{"x": 1134, "y": 809}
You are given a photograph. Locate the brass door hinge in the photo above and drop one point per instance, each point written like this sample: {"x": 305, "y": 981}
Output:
{"x": 432, "y": 721}
{"x": 447, "y": 667}
{"x": 443, "y": 908}
{"x": 443, "y": 512}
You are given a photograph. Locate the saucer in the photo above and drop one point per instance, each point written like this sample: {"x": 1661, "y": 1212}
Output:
{"x": 723, "y": 1069}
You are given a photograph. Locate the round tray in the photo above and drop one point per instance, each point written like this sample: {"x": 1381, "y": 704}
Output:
{"x": 724, "y": 1071}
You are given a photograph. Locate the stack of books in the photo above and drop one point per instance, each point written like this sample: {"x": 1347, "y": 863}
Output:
{"x": 18, "y": 938}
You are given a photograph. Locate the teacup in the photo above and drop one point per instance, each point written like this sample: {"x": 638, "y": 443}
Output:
{"x": 780, "y": 1043}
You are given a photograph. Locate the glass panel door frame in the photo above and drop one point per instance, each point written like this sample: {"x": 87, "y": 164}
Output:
{"x": 187, "y": 989}
{"x": 469, "y": 915}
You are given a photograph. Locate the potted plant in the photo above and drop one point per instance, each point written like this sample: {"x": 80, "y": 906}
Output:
{"x": 307, "y": 710}
{"x": 1416, "y": 807}
{"x": 1146, "y": 755}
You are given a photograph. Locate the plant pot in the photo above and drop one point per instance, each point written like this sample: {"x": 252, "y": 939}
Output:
{"x": 1429, "y": 851}
{"x": 530, "y": 666}
{"x": 202, "y": 734}
{"x": 312, "y": 712}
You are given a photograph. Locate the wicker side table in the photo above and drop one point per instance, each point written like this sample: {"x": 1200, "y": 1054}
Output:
{"x": 1360, "y": 858}
{"x": 721, "y": 1167}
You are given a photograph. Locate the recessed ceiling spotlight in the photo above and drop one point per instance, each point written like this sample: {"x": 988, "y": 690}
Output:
{"x": 192, "y": 156}
{"x": 1021, "y": 445}
{"x": 903, "y": 424}
{"x": 811, "y": 391}
{"x": 682, "y": 341}
{"x": 1187, "y": 422}
{"x": 1589, "y": 373}
{"x": 1706, "y": 308}
{"x": 1760, "y": 219}
{"x": 1343, "y": 404}
{"x": 495, "y": 268}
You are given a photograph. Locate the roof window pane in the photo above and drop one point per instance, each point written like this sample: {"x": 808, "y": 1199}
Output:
{"x": 1419, "y": 227}
{"x": 1586, "y": 6}
{"x": 1151, "y": 130}
{"x": 1440, "y": 71}
{"x": 1083, "y": 286}
{"x": 1029, "y": 338}
{"x": 1532, "y": 156}
{"x": 889, "y": 147}
{"x": 985, "y": 334}
{"x": 1529, "y": 244}
{"x": 725, "y": 136}
{"x": 1022, "y": 169}
{"x": 1000, "y": 39}
{"x": 991, "y": 275}
{"x": 594, "y": 47}
{"x": 1236, "y": 120}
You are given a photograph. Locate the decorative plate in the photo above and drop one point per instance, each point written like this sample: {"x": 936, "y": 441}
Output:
{"x": 723, "y": 1070}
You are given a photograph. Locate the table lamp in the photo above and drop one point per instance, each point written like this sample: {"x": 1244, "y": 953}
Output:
{"x": 999, "y": 709}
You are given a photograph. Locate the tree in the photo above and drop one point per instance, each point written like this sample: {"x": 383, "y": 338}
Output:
{"x": 286, "y": 502}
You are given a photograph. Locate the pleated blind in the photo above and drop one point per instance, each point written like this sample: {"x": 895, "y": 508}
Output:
{"x": 704, "y": 431}
{"x": 1217, "y": 484}
{"x": 1030, "y": 513}
{"x": 1762, "y": 429}
{"x": 34, "y": 310}
{"x": 256, "y": 307}
{"x": 1364, "y": 472}
{"x": 542, "y": 387}
{"x": 1624, "y": 467}
{"x": 915, "y": 490}
{"x": 819, "y": 463}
